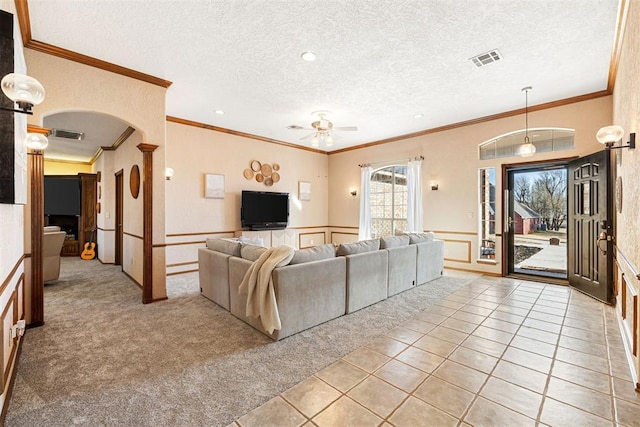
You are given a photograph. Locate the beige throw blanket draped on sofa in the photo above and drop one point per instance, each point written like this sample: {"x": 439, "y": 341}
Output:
{"x": 258, "y": 285}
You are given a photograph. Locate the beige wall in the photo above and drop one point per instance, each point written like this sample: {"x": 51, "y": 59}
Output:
{"x": 125, "y": 157}
{"x": 451, "y": 158}
{"x": 53, "y": 167}
{"x": 193, "y": 152}
{"x": 14, "y": 265}
{"x": 76, "y": 87}
{"x": 105, "y": 237}
{"x": 626, "y": 113}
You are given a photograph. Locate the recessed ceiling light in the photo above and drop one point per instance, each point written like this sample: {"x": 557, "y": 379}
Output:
{"x": 308, "y": 56}
{"x": 219, "y": 112}
{"x": 418, "y": 116}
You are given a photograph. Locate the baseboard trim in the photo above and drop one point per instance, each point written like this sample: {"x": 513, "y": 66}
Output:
{"x": 468, "y": 270}
{"x": 35, "y": 324}
{"x": 176, "y": 273}
{"x": 150, "y": 301}
{"x": 12, "y": 380}
{"x": 132, "y": 279}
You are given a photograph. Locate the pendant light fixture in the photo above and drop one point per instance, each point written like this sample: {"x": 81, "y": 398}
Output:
{"x": 527, "y": 149}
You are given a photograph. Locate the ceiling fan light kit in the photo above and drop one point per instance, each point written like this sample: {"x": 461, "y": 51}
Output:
{"x": 322, "y": 129}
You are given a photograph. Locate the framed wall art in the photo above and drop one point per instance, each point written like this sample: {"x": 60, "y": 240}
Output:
{"x": 304, "y": 190}
{"x": 213, "y": 186}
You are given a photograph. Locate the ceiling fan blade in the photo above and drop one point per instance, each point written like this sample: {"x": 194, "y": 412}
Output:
{"x": 311, "y": 135}
{"x": 343, "y": 128}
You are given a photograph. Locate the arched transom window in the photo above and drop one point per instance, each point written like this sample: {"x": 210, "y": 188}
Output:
{"x": 544, "y": 139}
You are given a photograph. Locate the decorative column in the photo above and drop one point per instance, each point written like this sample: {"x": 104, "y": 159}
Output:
{"x": 36, "y": 158}
{"x": 147, "y": 227}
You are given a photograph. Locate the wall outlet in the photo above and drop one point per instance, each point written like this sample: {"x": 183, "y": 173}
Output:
{"x": 470, "y": 215}
{"x": 17, "y": 330}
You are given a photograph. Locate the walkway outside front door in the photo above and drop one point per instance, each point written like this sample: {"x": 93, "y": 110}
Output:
{"x": 535, "y": 220}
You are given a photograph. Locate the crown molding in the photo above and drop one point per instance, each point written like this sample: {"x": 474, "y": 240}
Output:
{"x": 242, "y": 134}
{"x": 22, "y": 10}
{"x": 38, "y": 129}
{"x": 623, "y": 9}
{"x": 484, "y": 119}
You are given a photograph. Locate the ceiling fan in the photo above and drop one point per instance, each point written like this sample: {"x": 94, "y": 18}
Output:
{"x": 323, "y": 129}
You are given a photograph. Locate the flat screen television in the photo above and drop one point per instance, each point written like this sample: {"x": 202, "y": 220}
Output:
{"x": 62, "y": 195}
{"x": 264, "y": 210}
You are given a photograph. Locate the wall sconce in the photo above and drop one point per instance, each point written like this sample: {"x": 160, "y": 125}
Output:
{"x": 353, "y": 192}
{"x": 168, "y": 174}
{"x": 434, "y": 185}
{"x": 37, "y": 141}
{"x": 23, "y": 90}
{"x": 609, "y": 135}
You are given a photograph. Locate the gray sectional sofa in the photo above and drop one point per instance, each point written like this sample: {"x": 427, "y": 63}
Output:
{"x": 323, "y": 282}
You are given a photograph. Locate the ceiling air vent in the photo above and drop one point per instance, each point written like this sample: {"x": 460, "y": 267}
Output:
{"x": 486, "y": 58}
{"x": 68, "y": 134}
{"x": 295, "y": 127}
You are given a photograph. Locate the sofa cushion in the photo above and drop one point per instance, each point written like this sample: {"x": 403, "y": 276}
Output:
{"x": 251, "y": 252}
{"x": 394, "y": 242}
{"x": 358, "y": 247}
{"x": 315, "y": 253}
{"x": 415, "y": 238}
{"x": 257, "y": 241}
{"x": 225, "y": 246}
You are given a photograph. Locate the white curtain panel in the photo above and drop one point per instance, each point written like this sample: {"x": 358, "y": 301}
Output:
{"x": 414, "y": 196}
{"x": 364, "y": 231}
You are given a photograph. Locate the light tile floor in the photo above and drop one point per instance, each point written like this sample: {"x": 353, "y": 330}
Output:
{"x": 497, "y": 352}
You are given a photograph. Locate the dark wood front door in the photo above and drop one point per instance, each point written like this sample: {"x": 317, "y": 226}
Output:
{"x": 119, "y": 218}
{"x": 590, "y": 226}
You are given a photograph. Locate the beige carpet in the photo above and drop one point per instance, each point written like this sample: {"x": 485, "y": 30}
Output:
{"x": 103, "y": 358}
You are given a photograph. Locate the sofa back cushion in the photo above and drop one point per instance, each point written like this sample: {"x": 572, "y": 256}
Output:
{"x": 358, "y": 247}
{"x": 415, "y": 238}
{"x": 315, "y": 253}
{"x": 394, "y": 242}
{"x": 251, "y": 252}
{"x": 225, "y": 246}
{"x": 258, "y": 241}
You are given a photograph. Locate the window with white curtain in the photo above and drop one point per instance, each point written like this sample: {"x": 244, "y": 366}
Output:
{"x": 388, "y": 200}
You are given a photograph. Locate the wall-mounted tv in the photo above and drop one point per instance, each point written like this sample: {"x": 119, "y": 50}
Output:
{"x": 62, "y": 195}
{"x": 264, "y": 210}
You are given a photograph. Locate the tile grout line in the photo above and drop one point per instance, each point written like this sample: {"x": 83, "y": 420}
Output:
{"x": 553, "y": 362}
{"x": 490, "y": 375}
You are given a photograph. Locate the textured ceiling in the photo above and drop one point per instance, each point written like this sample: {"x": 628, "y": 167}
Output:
{"x": 378, "y": 63}
{"x": 100, "y": 130}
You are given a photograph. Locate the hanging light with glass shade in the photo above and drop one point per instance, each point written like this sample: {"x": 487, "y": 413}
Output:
{"x": 527, "y": 149}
